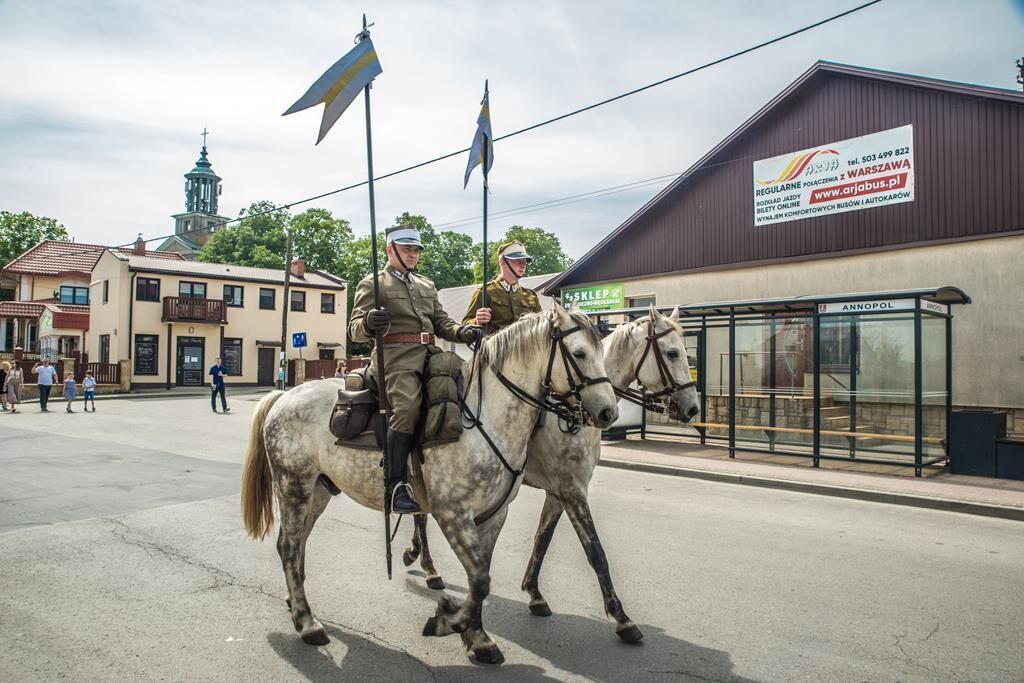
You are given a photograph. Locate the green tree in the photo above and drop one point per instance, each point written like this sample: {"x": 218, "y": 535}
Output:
{"x": 256, "y": 240}
{"x": 544, "y": 247}
{"x": 19, "y": 232}
{"x": 321, "y": 239}
{"x": 446, "y": 256}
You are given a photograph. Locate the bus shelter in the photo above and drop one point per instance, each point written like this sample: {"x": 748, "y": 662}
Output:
{"x": 863, "y": 376}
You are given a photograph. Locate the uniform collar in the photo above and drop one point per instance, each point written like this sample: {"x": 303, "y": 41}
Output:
{"x": 404, "y": 277}
{"x": 512, "y": 289}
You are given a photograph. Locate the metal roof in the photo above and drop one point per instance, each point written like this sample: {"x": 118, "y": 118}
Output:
{"x": 313, "y": 278}
{"x": 942, "y": 295}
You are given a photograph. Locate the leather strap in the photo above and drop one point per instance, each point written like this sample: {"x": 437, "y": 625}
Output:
{"x": 411, "y": 338}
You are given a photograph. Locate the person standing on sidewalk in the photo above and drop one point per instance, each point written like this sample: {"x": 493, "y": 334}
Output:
{"x": 5, "y": 367}
{"x": 70, "y": 391}
{"x": 47, "y": 378}
{"x": 217, "y": 374}
{"x": 12, "y": 385}
{"x": 89, "y": 389}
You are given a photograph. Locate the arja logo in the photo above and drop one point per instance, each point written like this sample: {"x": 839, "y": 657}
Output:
{"x": 822, "y": 308}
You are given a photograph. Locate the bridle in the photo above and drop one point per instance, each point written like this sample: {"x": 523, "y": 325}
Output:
{"x": 650, "y": 400}
{"x": 567, "y": 405}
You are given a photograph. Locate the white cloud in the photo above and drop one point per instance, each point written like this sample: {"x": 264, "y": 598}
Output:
{"x": 102, "y": 103}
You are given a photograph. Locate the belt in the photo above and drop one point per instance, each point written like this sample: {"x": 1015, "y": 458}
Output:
{"x": 411, "y": 338}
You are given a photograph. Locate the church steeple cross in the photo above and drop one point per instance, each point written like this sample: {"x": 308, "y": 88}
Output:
{"x": 205, "y": 133}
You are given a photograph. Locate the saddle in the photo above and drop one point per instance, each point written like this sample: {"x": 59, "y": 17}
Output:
{"x": 353, "y": 422}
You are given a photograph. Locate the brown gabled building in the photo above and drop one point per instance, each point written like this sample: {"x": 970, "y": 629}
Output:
{"x": 849, "y": 180}
{"x": 50, "y": 310}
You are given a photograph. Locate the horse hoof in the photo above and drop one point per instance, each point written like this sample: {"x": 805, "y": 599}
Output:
{"x": 488, "y": 654}
{"x": 540, "y": 609}
{"x": 630, "y": 634}
{"x": 408, "y": 557}
{"x": 432, "y": 627}
{"x": 316, "y": 637}
{"x": 435, "y": 582}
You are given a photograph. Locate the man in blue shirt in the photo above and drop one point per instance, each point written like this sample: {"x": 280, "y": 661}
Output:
{"x": 217, "y": 374}
{"x": 47, "y": 376}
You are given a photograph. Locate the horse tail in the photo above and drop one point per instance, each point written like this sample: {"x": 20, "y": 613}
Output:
{"x": 257, "y": 483}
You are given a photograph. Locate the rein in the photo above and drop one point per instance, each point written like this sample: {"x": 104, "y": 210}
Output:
{"x": 649, "y": 400}
{"x": 572, "y": 415}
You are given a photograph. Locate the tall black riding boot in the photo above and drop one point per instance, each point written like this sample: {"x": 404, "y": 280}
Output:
{"x": 399, "y": 446}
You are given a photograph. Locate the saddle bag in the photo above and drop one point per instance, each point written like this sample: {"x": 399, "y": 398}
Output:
{"x": 444, "y": 386}
{"x": 353, "y": 414}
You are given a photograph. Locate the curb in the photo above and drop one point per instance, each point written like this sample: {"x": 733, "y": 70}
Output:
{"x": 945, "y": 504}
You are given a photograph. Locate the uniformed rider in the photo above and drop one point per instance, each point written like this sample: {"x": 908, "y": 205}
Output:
{"x": 409, "y": 316}
{"x": 507, "y": 299}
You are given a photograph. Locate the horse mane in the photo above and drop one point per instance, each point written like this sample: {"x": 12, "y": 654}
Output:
{"x": 528, "y": 337}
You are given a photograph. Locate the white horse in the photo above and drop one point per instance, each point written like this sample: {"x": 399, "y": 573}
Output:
{"x": 648, "y": 351}
{"x": 291, "y": 446}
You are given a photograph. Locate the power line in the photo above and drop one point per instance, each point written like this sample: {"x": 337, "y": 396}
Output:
{"x": 547, "y": 122}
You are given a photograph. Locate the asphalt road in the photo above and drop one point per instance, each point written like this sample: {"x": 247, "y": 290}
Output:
{"x": 122, "y": 556}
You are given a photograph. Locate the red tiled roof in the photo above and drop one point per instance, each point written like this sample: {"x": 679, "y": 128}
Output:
{"x": 55, "y": 257}
{"x": 20, "y": 309}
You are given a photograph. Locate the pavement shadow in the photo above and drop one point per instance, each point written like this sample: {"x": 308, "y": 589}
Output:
{"x": 588, "y": 646}
{"x": 366, "y": 659}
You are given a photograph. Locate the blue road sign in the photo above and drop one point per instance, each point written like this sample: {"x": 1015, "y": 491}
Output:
{"x": 298, "y": 340}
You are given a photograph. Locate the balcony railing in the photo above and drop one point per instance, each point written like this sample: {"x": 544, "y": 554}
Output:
{"x": 185, "y": 309}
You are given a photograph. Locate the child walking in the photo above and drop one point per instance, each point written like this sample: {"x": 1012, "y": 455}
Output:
{"x": 89, "y": 386}
{"x": 69, "y": 391}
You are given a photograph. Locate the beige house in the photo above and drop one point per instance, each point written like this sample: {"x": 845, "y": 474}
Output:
{"x": 170, "y": 319}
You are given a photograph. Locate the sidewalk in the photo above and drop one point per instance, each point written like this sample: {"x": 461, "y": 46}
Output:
{"x": 939, "y": 491}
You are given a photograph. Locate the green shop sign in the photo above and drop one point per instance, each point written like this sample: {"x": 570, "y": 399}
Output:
{"x": 597, "y": 298}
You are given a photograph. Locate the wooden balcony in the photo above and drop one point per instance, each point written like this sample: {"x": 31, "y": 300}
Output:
{"x": 187, "y": 310}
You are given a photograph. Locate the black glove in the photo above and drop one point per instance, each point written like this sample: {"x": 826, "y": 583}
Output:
{"x": 470, "y": 334}
{"x": 377, "y": 320}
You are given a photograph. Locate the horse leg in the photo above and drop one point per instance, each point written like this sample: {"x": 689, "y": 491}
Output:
{"x": 295, "y": 500}
{"x": 420, "y": 548}
{"x": 321, "y": 497}
{"x": 549, "y": 517}
{"x": 474, "y": 547}
{"x": 578, "y": 510}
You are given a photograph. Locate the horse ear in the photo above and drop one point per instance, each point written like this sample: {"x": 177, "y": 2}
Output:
{"x": 652, "y": 313}
{"x": 675, "y": 315}
{"x": 559, "y": 316}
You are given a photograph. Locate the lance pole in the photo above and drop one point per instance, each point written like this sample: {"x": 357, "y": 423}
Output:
{"x": 378, "y": 345}
{"x": 484, "y": 146}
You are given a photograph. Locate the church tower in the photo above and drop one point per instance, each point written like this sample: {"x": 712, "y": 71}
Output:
{"x": 193, "y": 228}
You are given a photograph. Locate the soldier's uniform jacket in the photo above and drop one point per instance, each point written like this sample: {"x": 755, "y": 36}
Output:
{"x": 507, "y": 302}
{"x": 412, "y": 304}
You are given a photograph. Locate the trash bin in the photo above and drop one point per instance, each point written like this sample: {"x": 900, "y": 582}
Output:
{"x": 972, "y": 441}
{"x": 1010, "y": 457}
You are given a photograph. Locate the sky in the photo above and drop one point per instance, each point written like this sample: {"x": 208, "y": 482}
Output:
{"x": 103, "y": 101}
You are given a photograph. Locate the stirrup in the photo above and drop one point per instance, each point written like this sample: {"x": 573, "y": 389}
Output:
{"x": 412, "y": 509}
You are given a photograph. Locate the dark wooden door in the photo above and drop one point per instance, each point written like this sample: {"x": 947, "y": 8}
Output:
{"x": 191, "y": 360}
{"x": 266, "y": 366}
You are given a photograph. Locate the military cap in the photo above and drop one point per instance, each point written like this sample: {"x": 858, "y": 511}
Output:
{"x": 404, "y": 234}
{"x": 514, "y": 251}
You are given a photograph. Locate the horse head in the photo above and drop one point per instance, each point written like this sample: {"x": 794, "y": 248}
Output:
{"x": 665, "y": 368}
{"x": 581, "y": 370}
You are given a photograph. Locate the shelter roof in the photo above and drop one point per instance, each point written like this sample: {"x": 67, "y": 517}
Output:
{"x": 57, "y": 257}
{"x": 148, "y": 264}
{"x": 806, "y": 80}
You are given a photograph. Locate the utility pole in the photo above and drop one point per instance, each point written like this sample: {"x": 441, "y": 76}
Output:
{"x": 286, "y": 304}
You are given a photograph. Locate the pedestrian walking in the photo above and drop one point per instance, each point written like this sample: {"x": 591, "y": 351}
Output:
{"x": 217, "y": 374}
{"x": 89, "y": 390}
{"x": 12, "y": 385}
{"x": 70, "y": 391}
{"x": 4, "y": 369}
{"x": 47, "y": 378}
{"x": 339, "y": 370}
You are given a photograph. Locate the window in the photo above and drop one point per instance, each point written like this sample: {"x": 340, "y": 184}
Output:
{"x": 106, "y": 290}
{"x": 298, "y": 300}
{"x": 640, "y": 301}
{"x": 233, "y": 295}
{"x": 74, "y": 295}
{"x": 192, "y": 290}
{"x": 147, "y": 289}
{"x": 231, "y": 354}
{"x": 267, "y": 298}
{"x": 146, "y": 354}
{"x": 327, "y": 303}
{"x": 104, "y": 348}
{"x": 836, "y": 344}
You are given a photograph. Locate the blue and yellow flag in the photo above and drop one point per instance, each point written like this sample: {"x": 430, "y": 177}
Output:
{"x": 340, "y": 84}
{"x": 483, "y": 141}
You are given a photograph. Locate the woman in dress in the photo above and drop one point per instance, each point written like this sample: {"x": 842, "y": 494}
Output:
{"x": 13, "y": 390}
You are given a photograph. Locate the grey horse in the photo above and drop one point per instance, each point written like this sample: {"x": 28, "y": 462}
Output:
{"x": 290, "y": 446}
{"x": 562, "y": 464}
